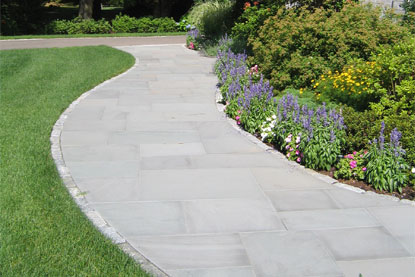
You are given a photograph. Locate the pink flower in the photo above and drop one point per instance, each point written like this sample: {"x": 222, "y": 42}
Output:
{"x": 238, "y": 122}
{"x": 298, "y": 160}
{"x": 286, "y": 147}
{"x": 361, "y": 156}
{"x": 291, "y": 149}
{"x": 288, "y": 155}
{"x": 239, "y": 111}
{"x": 364, "y": 169}
{"x": 191, "y": 45}
{"x": 237, "y": 117}
{"x": 354, "y": 152}
{"x": 297, "y": 152}
{"x": 297, "y": 140}
{"x": 353, "y": 164}
{"x": 365, "y": 152}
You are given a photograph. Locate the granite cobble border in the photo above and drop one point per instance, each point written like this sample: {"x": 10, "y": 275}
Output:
{"x": 95, "y": 217}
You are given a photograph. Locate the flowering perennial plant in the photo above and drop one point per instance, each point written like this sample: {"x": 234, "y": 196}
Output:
{"x": 247, "y": 95}
{"x": 386, "y": 166}
{"x": 352, "y": 165}
{"x": 312, "y": 137}
{"x": 193, "y": 38}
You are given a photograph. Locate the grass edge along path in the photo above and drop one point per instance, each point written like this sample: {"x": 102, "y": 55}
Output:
{"x": 94, "y": 35}
{"x": 42, "y": 230}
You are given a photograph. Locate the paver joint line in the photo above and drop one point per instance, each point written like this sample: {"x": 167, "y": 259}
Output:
{"x": 186, "y": 194}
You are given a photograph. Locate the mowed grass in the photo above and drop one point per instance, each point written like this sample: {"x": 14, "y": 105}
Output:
{"x": 42, "y": 231}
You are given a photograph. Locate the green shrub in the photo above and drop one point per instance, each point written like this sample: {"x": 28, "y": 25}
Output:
{"x": 59, "y": 27}
{"x": 213, "y": 17}
{"x": 365, "y": 126}
{"x": 296, "y": 46}
{"x": 79, "y": 26}
{"x": 248, "y": 24}
{"x": 90, "y": 26}
{"x": 124, "y": 24}
{"x": 164, "y": 24}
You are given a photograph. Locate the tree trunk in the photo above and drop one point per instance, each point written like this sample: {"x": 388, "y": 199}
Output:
{"x": 97, "y": 12}
{"x": 85, "y": 9}
{"x": 162, "y": 8}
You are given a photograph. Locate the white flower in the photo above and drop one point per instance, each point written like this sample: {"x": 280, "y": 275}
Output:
{"x": 298, "y": 139}
{"x": 413, "y": 170}
{"x": 272, "y": 125}
{"x": 274, "y": 116}
{"x": 268, "y": 119}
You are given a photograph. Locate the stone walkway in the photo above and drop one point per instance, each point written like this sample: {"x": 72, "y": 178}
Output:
{"x": 165, "y": 168}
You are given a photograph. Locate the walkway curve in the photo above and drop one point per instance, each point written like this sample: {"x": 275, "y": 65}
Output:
{"x": 159, "y": 166}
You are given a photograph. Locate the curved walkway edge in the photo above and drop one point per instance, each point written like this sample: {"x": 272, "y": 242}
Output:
{"x": 94, "y": 216}
{"x": 161, "y": 172}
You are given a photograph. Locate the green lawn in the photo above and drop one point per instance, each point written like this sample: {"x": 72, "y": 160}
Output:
{"x": 42, "y": 231}
{"x": 94, "y": 35}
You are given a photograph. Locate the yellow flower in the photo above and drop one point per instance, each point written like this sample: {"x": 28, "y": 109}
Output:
{"x": 312, "y": 81}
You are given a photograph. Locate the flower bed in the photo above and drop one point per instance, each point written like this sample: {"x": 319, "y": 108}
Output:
{"x": 313, "y": 137}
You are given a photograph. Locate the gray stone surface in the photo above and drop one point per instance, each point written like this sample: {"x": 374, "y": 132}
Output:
{"x": 214, "y": 272}
{"x": 400, "y": 222}
{"x": 328, "y": 219}
{"x": 297, "y": 200}
{"x": 144, "y": 218}
{"x": 402, "y": 267}
{"x": 171, "y": 149}
{"x": 197, "y": 184}
{"x": 289, "y": 254}
{"x": 362, "y": 244}
{"x": 231, "y": 215}
{"x": 187, "y": 252}
{"x": 165, "y": 174}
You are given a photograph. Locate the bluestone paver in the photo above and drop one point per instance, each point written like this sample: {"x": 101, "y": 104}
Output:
{"x": 157, "y": 160}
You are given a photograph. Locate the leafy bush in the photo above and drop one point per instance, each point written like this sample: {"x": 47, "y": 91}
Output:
{"x": 394, "y": 77}
{"x": 213, "y": 17}
{"x": 79, "y": 26}
{"x": 127, "y": 24}
{"x": 164, "y": 24}
{"x": 386, "y": 167}
{"x": 296, "y": 46}
{"x": 124, "y": 24}
{"x": 121, "y": 24}
{"x": 249, "y": 23}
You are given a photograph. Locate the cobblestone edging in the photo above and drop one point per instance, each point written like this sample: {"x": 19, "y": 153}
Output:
{"x": 293, "y": 164}
{"x": 94, "y": 216}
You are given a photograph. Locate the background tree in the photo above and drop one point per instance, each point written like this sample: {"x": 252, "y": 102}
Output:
{"x": 21, "y": 16}
{"x": 86, "y": 8}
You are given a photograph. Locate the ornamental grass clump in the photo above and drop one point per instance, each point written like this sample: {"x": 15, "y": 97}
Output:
{"x": 312, "y": 137}
{"x": 386, "y": 166}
